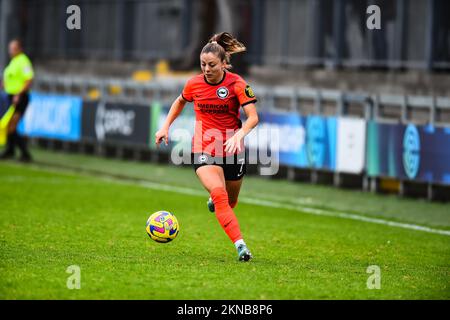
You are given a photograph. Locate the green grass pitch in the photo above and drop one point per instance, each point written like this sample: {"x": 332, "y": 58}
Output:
{"x": 52, "y": 218}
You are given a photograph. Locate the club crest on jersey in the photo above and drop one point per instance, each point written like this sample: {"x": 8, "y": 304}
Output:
{"x": 202, "y": 158}
{"x": 249, "y": 92}
{"x": 222, "y": 92}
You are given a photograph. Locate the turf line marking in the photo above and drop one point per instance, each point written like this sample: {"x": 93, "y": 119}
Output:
{"x": 337, "y": 214}
{"x": 254, "y": 201}
{"x": 302, "y": 209}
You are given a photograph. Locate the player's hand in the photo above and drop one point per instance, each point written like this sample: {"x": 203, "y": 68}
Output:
{"x": 234, "y": 143}
{"x": 16, "y": 100}
{"x": 162, "y": 134}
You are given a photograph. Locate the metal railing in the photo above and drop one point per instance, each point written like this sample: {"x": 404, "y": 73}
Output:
{"x": 401, "y": 109}
{"x": 381, "y": 107}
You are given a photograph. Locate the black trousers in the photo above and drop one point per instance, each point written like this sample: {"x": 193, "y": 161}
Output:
{"x": 14, "y": 139}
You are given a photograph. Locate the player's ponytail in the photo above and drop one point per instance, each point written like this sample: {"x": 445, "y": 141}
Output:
{"x": 224, "y": 45}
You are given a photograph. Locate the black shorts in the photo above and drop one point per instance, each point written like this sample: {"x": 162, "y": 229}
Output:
{"x": 23, "y": 102}
{"x": 234, "y": 167}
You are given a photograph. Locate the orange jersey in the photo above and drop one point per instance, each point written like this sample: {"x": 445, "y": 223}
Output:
{"x": 216, "y": 109}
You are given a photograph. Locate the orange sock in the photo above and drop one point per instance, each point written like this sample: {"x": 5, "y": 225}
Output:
{"x": 225, "y": 214}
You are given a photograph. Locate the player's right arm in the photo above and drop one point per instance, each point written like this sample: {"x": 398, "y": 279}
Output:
{"x": 175, "y": 110}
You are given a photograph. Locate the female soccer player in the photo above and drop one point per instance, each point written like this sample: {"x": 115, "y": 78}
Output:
{"x": 218, "y": 152}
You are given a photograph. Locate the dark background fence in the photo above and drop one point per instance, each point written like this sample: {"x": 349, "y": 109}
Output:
{"x": 413, "y": 34}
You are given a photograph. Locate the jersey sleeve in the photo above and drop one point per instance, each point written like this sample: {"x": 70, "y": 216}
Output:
{"x": 244, "y": 92}
{"x": 187, "y": 91}
{"x": 27, "y": 69}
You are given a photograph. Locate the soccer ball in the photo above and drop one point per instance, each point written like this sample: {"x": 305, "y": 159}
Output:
{"x": 162, "y": 226}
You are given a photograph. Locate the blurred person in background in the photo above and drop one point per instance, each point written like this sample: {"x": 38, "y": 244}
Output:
{"x": 218, "y": 95}
{"x": 17, "y": 78}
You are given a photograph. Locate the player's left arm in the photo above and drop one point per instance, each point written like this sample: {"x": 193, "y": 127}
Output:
{"x": 234, "y": 143}
{"x": 252, "y": 119}
{"x": 247, "y": 100}
{"x": 28, "y": 75}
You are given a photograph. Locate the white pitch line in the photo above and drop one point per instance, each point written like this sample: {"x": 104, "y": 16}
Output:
{"x": 266, "y": 203}
{"x": 336, "y": 214}
{"x": 302, "y": 209}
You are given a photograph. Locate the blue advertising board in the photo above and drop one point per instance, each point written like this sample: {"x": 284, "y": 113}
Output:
{"x": 52, "y": 116}
{"x": 301, "y": 141}
{"x": 409, "y": 152}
